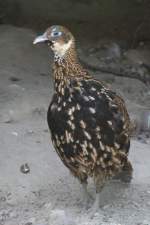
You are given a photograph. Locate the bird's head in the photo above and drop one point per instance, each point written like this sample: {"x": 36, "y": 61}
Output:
{"x": 58, "y": 38}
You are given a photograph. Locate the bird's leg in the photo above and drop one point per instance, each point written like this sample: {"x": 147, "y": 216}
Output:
{"x": 86, "y": 195}
{"x": 84, "y": 190}
{"x": 127, "y": 172}
{"x": 95, "y": 207}
{"x": 99, "y": 183}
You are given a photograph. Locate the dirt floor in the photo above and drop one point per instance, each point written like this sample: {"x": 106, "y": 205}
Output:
{"x": 47, "y": 194}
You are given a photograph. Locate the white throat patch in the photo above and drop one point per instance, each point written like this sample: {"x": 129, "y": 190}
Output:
{"x": 60, "y": 50}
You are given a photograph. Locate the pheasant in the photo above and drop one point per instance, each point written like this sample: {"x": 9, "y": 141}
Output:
{"x": 89, "y": 123}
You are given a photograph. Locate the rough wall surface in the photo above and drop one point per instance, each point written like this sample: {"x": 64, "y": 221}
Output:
{"x": 121, "y": 17}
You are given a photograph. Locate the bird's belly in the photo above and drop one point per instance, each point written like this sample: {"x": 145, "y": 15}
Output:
{"x": 73, "y": 156}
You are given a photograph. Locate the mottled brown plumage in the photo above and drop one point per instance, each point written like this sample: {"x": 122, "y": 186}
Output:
{"x": 89, "y": 123}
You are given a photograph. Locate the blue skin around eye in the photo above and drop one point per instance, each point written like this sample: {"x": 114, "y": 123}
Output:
{"x": 56, "y": 34}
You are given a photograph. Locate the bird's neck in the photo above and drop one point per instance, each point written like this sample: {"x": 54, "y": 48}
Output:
{"x": 67, "y": 68}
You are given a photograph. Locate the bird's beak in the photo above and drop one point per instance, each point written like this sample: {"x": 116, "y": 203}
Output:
{"x": 41, "y": 38}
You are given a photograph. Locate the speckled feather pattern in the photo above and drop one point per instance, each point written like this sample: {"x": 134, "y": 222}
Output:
{"x": 89, "y": 124}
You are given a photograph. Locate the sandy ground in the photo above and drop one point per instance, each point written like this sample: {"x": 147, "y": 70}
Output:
{"x": 48, "y": 194}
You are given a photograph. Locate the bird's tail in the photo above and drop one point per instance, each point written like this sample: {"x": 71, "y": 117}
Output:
{"x": 125, "y": 175}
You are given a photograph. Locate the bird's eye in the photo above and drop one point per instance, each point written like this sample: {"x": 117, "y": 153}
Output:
{"x": 56, "y": 34}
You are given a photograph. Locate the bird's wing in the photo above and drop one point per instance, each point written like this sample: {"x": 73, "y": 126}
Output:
{"x": 107, "y": 112}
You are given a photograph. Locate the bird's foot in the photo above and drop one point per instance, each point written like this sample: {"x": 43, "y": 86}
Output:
{"x": 87, "y": 198}
{"x": 95, "y": 208}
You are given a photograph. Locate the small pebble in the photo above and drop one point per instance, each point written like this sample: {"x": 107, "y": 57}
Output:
{"x": 43, "y": 74}
{"x": 148, "y": 203}
{"x": 45, "y": 130}
{"x": 31, "y": 221}
{"x": 30, "y": 132}
{"x": 14, "y": 79}
{"x": 15, "y": 133}
{"x": 9, "y": 121}
{"x": 25, "y": 168}
{"x": 3, "y": 199}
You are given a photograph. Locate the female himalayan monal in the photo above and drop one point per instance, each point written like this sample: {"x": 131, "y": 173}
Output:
{"x": 89, "y": 123}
